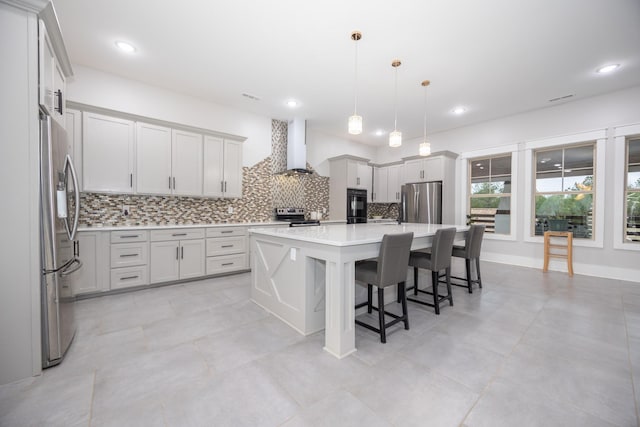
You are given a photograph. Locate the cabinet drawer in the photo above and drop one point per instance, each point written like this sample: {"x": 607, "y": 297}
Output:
{"x": 226, "y": 246}
{"x": 129, "y": 254}
{"x": 129, "y": 236}
{"x": 226, "y": 231}
{"x": 177, "y": 234}
{"x": 225, "y": 263}
{"x": 129, "y": 276}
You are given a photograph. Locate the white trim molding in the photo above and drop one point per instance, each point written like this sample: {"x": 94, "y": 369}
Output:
{"x": 620, "y": 135}
{"x": 596, "y": 270}
{"x": 463, "y": 177}
{"x": 600, "y": 136}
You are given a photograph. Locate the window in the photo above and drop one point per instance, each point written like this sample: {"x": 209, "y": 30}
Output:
{"x": 565, "y": 189}
{"x": 490, "y": 193}
{"x": 632, "y": 191}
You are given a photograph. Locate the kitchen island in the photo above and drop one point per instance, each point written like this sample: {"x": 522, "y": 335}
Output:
{"x": 306, "y": 276}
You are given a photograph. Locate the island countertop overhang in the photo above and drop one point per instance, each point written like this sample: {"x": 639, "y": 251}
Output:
{"x": 352, "y": 234}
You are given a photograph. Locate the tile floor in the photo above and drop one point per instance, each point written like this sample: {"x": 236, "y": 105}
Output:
{"x": 530, "y": 349}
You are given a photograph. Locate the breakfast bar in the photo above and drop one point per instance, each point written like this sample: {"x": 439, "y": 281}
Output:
{"x": 306, "y": 276}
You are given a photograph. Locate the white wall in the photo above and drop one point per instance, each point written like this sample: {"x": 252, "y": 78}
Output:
{"x": 321, "y": 146}
{"x": 19, "y": 166}
{"x": 100, "y": 89}
{"x": 606, "y": 111}
{"x": 614, "y": 109}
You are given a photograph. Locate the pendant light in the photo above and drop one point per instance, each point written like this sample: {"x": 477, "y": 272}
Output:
{"x": 395, "y": 137}
{"x": 425, "y": 146}
{"x": 355, "y": 121}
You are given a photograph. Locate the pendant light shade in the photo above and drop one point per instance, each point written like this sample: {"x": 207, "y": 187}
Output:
{"x": 355, "y": 121}
{"x": 425, "y": 146}
{"x": 355, "y": 125}
{"x": 395, "y": 137}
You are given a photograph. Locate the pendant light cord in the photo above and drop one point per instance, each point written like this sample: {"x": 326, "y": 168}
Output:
{"x": 355, "y": 82}
{"x": 395, "y": 103}
{"x": 425, "y": 114}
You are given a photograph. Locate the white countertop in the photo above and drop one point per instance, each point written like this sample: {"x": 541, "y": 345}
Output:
{"x": 352, "y": 234}
{"x": 168, "y": 226}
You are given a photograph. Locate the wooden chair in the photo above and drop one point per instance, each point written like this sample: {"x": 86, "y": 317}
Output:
{"x": 568, "y": 248}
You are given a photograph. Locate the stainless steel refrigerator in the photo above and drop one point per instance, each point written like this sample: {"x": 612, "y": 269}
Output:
{"x": 422, "y": 202}
{"x": 59, "y": 209}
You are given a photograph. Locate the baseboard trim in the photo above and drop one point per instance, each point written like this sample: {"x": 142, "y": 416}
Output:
{"x": 594, "y": 270}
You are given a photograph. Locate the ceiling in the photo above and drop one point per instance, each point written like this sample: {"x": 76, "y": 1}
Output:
{"x": 494, "y": 57}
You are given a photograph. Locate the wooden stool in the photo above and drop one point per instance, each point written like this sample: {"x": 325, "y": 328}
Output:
{"x": 568, "y": 248}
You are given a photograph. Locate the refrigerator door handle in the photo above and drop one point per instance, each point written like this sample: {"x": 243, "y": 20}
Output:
{"x": 67, "y": 270}
{"x": 68, "y": 168}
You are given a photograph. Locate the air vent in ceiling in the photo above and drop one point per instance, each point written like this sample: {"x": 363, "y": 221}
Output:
{"x": 560, "y": 98}
{"x": 252, "y": 97}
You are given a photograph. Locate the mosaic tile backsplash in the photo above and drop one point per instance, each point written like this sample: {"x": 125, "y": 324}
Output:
{"x": 262, "y": 191}
{"x": 385, "y": 210}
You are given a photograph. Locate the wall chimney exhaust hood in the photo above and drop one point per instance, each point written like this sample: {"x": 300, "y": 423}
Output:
{"x": 297, "y": 148}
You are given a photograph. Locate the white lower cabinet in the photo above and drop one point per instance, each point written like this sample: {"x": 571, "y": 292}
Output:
{"x": 93, "y": 251}
{"x": 129, "y": 259}
{"x": 176, "y": 254}
{"x": 227, "y": 250}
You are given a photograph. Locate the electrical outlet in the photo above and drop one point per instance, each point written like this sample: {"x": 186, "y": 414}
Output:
{"x": 324, "y": 210}
{"x": 230, "y": 209}
{"x": 125, "y": 210}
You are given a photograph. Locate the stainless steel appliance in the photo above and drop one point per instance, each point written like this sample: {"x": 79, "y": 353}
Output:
{"x": 356, "y": 206}
{"x": 295, "y": 217}
{"x": 59, "y": 209}
{"x": 422, "y": 202}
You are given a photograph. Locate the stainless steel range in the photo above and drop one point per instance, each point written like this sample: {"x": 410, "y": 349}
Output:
{"x": 295, "y": 217}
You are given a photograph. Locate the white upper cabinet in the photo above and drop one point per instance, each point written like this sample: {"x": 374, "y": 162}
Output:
{"x": 394, "y": 182}
{"x": 153, "y": 159}
{"x": 186, "y": 163}
{"x": 360, "y": 175}
{"x": 107, "y": 153}
{"x": 222, "y": 167}
{"x": 233, "y": 168}
{"x": 52, "y": 79}
{"x": 422, "y": 170}
{"x": 386, "y": 184}
{"x": 380, "y": 185}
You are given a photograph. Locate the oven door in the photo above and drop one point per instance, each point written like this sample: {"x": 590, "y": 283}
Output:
{"x": 357, "y": 204}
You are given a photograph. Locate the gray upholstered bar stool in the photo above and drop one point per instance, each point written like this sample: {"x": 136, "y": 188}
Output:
{"x": 436, "y": 260}
{"x": 389, "y": 269}
{"x": 470, "y": 252}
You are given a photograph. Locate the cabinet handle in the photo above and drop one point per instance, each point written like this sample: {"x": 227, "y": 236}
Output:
{"x": 59, "y": 107}
{"x": 174, "y": 182}
{"x": 169, "y": 183}
{"x": 227, "y": 231}
{"x": 182, "y": 252}
{"x": 129, "y": 278}
{"x": 127, "y": 255}
{"x": 226, "y": 246}
{"x": 179, "y": 234}
{"x": 129, "y": 236}
{"x": 226, "y": 264}
{"x": 131, "y": 180}
{"x": 225, "y": 186}
{"x": 177, "y": 252}
{"x": 222, "y": 186}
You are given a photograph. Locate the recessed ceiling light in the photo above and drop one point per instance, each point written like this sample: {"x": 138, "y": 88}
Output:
{"x": 459, "y": 110}
{"x": 607, "y": 68}
{"x": 292, "y": 103}
{"x": 379, "y": 132}
{"x": 125, "y": 47}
